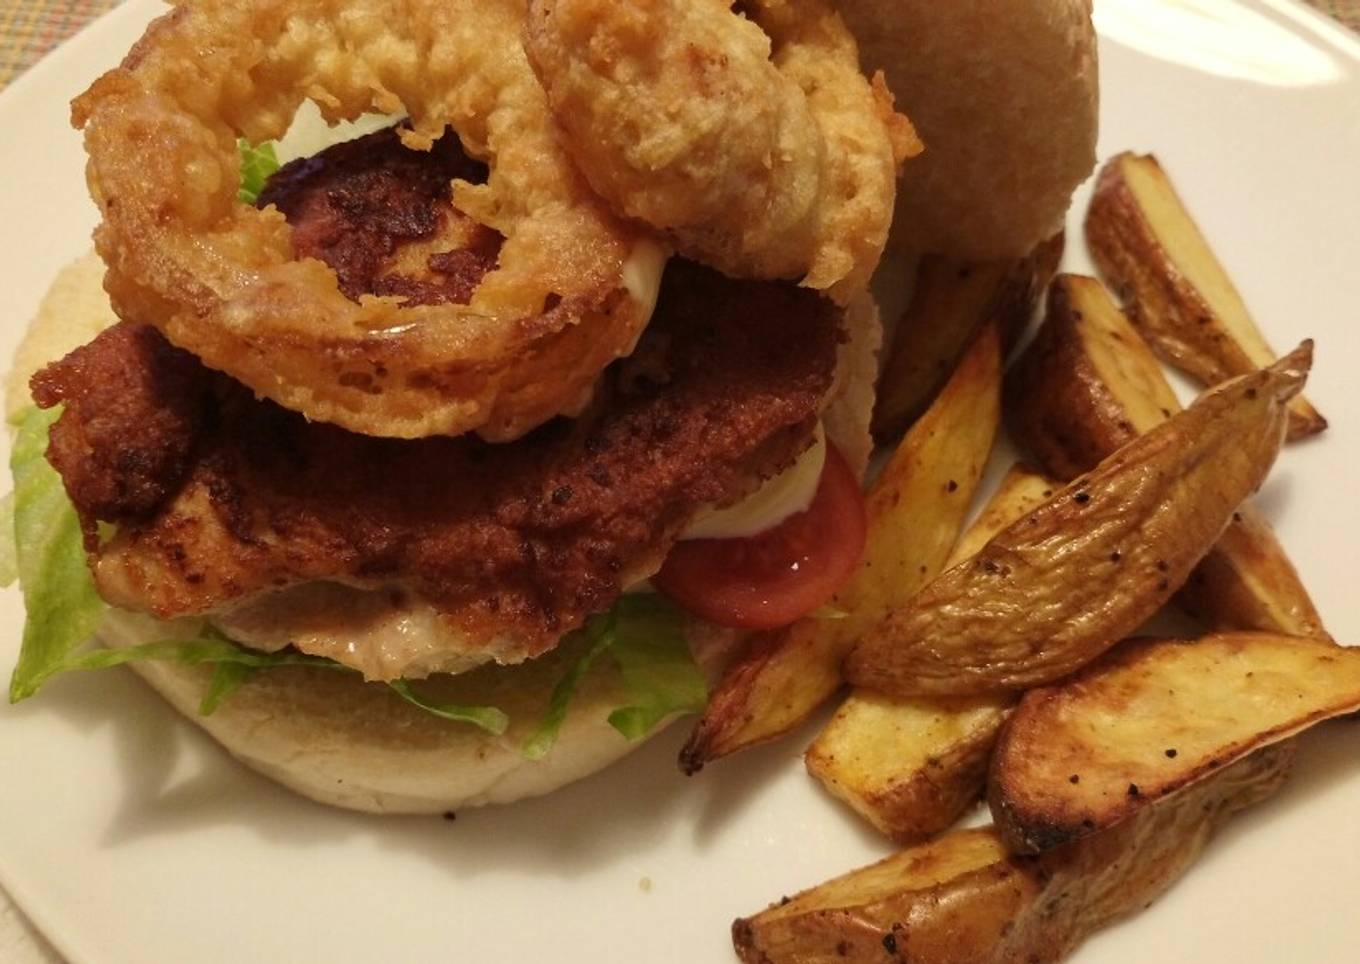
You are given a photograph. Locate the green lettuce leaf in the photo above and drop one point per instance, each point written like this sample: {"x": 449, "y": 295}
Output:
{"x": 233, "y": 665}
{"x": 59, "y": 595}
{"x": 658, "y": 671}
{"x": 257, "y": 163}
{"x": 226, "y": 679}
{"x": 645, "y": 637}
{"x": 488, "y": 718}
{"x": 600, "y": 632}
{"x": 9, "y": 556}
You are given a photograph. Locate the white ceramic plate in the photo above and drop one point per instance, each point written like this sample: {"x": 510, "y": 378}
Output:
{"x": 130, "y": 838}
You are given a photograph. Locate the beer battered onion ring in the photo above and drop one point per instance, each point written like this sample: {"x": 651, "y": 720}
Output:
{"x": 756, "y": 144}
{"x": 574, "y": 286}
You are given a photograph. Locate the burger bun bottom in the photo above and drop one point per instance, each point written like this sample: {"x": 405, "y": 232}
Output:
{"x": 341, "y": 741}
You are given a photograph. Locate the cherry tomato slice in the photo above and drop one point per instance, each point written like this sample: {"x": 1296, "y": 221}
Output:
{"x": 771, "y": 579}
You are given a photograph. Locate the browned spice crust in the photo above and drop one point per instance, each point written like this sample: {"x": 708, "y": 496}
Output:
{"x": 219, "y": 496}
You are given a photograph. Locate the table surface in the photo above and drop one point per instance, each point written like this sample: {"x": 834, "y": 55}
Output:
{"x": 29, "y": 29}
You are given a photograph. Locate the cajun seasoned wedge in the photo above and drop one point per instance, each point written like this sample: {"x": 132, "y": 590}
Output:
{"x": 1056, "y": 589}
{"x": 1151, "y": 718}
{"x": 952, "y": 301}
{"x": 962, "y": 899}
{"x": 912, "y": 766}
{"x": 1087, "y": 385}
{"x": 1149, "y": 248}
{"x": 915, "y": 510}
{"x": 1022, "y": 490}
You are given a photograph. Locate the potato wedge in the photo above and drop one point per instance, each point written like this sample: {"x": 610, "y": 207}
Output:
{"x": 1146, "y": 244}
{"x": 915, "y": 509}
{"x": 962, "y": 899}
{"x": 1151, "y": 718}
{"x": 911, "y": 767}
{"x": 1247, "y": 582}
{"x": 1022, "y": 490}
{"x": 1058, "y": 588}
{"x": 952, "y": 300}
{"x": 1087, "y": 385}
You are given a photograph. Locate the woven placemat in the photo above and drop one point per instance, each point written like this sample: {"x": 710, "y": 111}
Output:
{"x": 1347, "y": 11}
{"x": 30, "y": 28}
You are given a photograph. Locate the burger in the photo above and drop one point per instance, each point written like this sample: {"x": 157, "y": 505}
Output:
{"x": 426, "y": 619}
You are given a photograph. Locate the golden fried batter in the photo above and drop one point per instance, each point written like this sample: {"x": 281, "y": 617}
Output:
{"x": 755, "y": 144}
{"x": 514, "y": 544}
{"x": 220, "y": 278}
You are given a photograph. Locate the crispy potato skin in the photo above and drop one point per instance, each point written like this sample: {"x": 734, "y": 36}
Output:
{"x": 1058, "y": 401}
{"x": 962, "y": 899}
{"x": 1071, "y": 411}
{"x": 952, "y": 300}
{"x": 911, "y": 767}
{"x": 1148, "y": 257}
{"x": 1248, "y": 582}
{"x": 780, "y": 678}
{"x": 1151, "y": 718}
{"x": 1055, "y": 590}
{"x": 915, "y": 510}
{"x": 1022, "y": 490}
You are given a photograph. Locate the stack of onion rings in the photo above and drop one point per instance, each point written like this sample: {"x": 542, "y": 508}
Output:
{"x": 221, "y": 280}
{"x": 756, "y": 145}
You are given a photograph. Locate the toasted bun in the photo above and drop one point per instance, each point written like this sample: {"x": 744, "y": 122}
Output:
{"x": 338, "y": 740}
{"x": 1004, "y": 95}
{"x": 73, "y": 311}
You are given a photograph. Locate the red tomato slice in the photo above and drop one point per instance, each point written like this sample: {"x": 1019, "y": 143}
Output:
{"x": 771, "y": 579}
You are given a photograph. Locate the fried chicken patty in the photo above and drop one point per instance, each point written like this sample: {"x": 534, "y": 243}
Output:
{"x": 219, "y": 497}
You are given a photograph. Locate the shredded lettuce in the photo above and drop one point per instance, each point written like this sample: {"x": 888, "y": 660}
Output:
{"x": 233, "y": 665}
{"x": 658, "y": 671}
{"x": 226, "y": 679}
{"x": 59, "y": 595}
{"x": 488, "y": 718}
{"x": 257, "y": 163}
{"x": 600, "y": 631}
{"x": 9, "y": 558}
{"x": 644, "y": 636}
